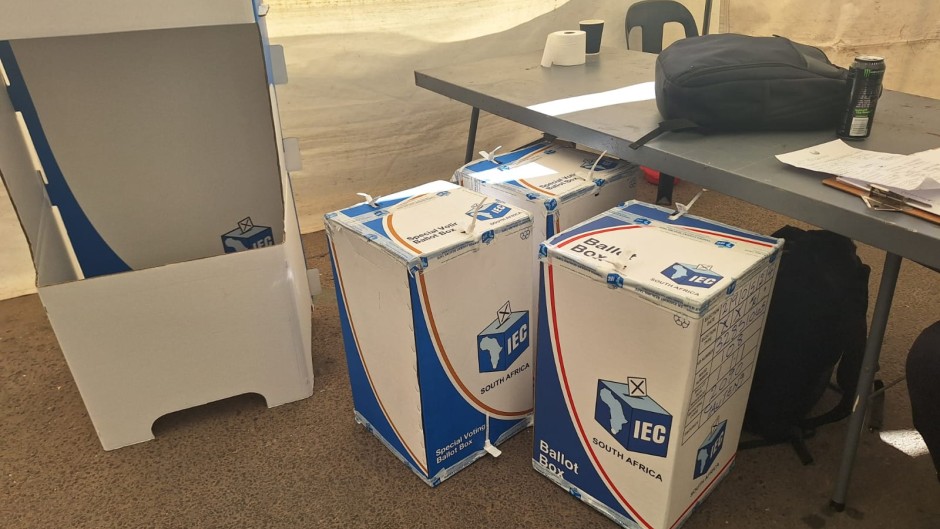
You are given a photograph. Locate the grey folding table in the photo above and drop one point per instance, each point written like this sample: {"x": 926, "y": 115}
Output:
{"x": 740, "y": 164}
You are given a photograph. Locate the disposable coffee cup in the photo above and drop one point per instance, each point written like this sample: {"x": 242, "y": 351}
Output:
{"x": 593, "y": 29}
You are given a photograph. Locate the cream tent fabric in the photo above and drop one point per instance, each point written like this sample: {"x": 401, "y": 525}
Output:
{"x": 362, "y": 123}
{"x": 364, "y": 127}
{"x": 905, "y": 33}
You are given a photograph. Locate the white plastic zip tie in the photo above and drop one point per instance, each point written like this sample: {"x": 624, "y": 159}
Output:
{"x": 590, "y": 175}
{"x": 491, "y": 449}
{"x": 622, "y": 266}
{"x": 369, "y": 199}
{"x": 491, "y": 156}
{"x": 487, "y": 445}
{"x": 597, "y": 161}
{"x": 473, "y": 223}
{"x": 682, "y": 209}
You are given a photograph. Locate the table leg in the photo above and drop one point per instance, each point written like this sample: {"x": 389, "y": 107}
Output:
{"x": 879, "y": 321}
{"x": 664, "y": 189}
{"x": 472, "y": 136}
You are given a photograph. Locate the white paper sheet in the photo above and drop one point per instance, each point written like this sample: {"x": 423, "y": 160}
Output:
{"x": 914, "y": 176}
{"x": 627, "y": 94}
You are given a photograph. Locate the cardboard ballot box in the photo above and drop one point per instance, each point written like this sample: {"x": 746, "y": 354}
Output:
{"x": 649, "y": 333}
{"x": 143, "y": 153}
{"x": 435, "y": 299}
{"x": 554, "y": 182}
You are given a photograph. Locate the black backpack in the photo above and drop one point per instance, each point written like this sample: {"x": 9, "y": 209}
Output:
{"x": 816, "y": 321}
{"x": 729, "y": 82}
{"x": 737, "y": 82}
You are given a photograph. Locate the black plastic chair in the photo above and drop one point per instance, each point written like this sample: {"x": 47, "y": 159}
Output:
{"x": 651, "y": 16}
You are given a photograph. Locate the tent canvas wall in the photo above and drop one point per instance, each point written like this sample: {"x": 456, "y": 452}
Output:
{"x": 364, "y": 126}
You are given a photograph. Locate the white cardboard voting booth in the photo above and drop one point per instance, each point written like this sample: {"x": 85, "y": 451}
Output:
{"x": 650, "y": 328}
{"x": 143, "y": 154}
{"x": 434, "y": 292}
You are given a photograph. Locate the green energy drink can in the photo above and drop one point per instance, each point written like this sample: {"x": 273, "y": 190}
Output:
{"x": 864, "y": 89}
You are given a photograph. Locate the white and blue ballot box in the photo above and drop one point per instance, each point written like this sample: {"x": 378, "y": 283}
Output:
{"x": 649, "y": 332}
{"x": 559, "y": 184}
{"x": 435, "y": 297}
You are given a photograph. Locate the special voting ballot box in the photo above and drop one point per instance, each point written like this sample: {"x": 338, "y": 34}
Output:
{"x": 557, "y": 183}
{"x": 434, "y": 292}
{"x": 649, "y": 332}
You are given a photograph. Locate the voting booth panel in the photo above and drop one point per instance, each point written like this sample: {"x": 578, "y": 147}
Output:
{"x": 649, "y": 333}
{"x": 148, "y": 174}
{"x": 435, "y": 299}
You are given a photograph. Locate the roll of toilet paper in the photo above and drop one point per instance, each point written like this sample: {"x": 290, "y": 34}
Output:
{"x": 564, "y": 48}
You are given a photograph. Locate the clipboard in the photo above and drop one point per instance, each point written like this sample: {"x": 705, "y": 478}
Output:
{"x": 898, "y": 206}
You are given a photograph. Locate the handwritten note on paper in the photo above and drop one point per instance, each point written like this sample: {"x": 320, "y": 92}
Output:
{"x": 933, "y": 156}
{"x": 913, "y": 175}
{"x": 839, "y": 159}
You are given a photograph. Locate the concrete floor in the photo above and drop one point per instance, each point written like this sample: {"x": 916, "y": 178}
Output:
{"x": 236, "y": 463}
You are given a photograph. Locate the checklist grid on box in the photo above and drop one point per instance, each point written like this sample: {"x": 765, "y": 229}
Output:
{"x": 728, "y": 347}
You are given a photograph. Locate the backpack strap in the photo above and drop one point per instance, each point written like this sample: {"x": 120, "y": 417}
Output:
{"x": 853, "y": 330}
{"x": 797, "y": 440}
{"x": 669, "y": 125}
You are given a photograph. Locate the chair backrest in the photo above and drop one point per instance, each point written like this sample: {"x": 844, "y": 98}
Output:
{"x": 652, "y": 15}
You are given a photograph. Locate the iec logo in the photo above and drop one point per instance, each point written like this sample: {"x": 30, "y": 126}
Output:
{"x": 692, "y": 275}
{"x": 488, "y": 236}
{"x": 551, "y": 204}
{"x": 635, "y": 420}
{"x": 504, "y": 340}
{"x": 443, "y": 193}
{"x": 491, "y": 211}
{"x": 614, "y": 281}
{"x": 731, "y": 288}
{"x": 724, "y": 244}
{"x": 247, "y": 236}
{"x": 708, "y": 452}
{"x": 641, "y": 220}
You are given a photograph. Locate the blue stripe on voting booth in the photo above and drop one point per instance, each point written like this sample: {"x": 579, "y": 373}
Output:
{"x": 94, "y": 255}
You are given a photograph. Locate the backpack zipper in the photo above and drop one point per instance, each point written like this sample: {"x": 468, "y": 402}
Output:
{"x": 713, "y": 69}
